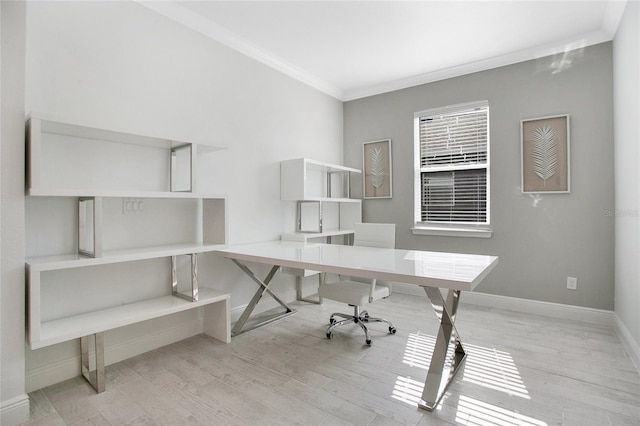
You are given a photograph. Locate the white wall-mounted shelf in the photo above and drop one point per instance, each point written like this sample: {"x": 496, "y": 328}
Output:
{"x": 217, "y": 320}
{"x": 112, "y": 219}
{"x": 329, "y": 216}
{"x": 55, "y": 225}
{"x": 329, "y": 199}
{"x": 117, "y": 194}
{"x": 68, "y": 261}
{"x": 307, "y": 236}
{"x": 65, "y": 157}
{"x": 322, "y": 195}
{"x": 305, "y": 179}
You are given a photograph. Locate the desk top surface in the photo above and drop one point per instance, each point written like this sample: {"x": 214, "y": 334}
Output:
{"x": 425, "y": 268}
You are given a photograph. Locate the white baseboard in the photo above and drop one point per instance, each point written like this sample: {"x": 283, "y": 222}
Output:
{"x": 555, "y": 310}
{"x": 14, "y": 411}
{"x": 630, "y": 345}
{"x": 69, "y": 368}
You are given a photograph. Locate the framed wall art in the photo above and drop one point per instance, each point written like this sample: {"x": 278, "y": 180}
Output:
{"x": 376, "y": 165}
{"x": 545, "y": 154}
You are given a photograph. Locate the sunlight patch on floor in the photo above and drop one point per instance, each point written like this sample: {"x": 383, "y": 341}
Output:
{"x": 484, "y": 366}
{"x": 475, "y": 412}
{"x": 418, "y": 350}
{"x": 407, "y": 390}
{"x": 493, "y": 369}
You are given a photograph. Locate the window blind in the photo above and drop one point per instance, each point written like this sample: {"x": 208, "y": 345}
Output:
{"x": 457, "y": 196}
{"x": 453, "y": 166}
{"x": 454, "y": 139}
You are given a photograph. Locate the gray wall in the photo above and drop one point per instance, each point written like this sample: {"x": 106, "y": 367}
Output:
{"x": 626, "y": 61}
{"x": 540, "y": 240}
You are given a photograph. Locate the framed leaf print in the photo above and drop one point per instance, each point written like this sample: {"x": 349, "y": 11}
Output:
{"x": 545, "y": 155}
{"x": 376, "y": 165}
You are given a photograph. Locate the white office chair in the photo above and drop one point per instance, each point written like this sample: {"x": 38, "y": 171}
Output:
{"x": 358, "y": 292}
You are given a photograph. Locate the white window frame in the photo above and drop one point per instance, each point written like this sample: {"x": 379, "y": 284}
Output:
{"x": 455, "y": 229}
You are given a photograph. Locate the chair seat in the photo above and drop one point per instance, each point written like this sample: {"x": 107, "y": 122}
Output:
{"x": 352, "y": 292}
{"x": 357, "y": 291}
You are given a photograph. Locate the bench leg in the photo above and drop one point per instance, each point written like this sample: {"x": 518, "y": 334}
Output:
{"x": 217, "y": 321}
{"x": 96, "y": 377}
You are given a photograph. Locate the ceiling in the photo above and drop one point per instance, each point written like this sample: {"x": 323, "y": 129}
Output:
{"x": 353, "y": 49}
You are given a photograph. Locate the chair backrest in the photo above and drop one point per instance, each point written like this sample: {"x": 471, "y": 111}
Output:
{"x": 375, "y": 235}
{"x": 381, "y": 235}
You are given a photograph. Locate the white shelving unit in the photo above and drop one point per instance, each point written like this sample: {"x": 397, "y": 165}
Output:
{"x": 114, "y": 230}
{"x": 70, "y": 158}
{"x": 324, "y": 208}
{"x": 306, "y": 237}
{"x": 322, "y": 195}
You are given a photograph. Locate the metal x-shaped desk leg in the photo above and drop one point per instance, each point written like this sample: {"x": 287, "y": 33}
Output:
{"x": 263, "y": 287}
{"x": 441, "y": 370}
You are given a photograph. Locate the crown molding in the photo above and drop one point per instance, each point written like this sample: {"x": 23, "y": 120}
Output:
{"x": 612, "y": 16}
{"x": 222, "y": 35}
{"x": 538, "y": 52}
{"x": 174, "y": 11}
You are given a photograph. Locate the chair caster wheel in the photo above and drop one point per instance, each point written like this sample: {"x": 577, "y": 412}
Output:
{"x": 392, "y": 330}
{"x": 329, "y": 335}
{"x": 368, "y": 342}
{"x": 365, "y": 317}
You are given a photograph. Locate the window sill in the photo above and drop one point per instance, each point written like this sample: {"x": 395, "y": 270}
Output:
{"x": 453, "y": 232}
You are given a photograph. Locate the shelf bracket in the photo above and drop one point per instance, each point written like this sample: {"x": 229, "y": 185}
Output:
{"x": 182, "y": 168}
{"x": 346, "y": 183}
{"x": 90, "y": 226}
{"x": 300, "y": 225}
{"x": 193, "y": 296}
{"x": 94, "y": 377}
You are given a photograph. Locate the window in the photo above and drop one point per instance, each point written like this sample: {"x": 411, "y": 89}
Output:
{"x": 452, "y": 170}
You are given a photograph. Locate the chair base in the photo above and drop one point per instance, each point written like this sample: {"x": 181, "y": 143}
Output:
{"x": 359, "y": 318}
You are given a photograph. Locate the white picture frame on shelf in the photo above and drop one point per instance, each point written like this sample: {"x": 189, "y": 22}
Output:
{"x": 377, "y": 176}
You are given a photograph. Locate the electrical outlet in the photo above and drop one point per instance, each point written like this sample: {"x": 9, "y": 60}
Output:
{"x": 572, "y": 283}
{"x": 132, "y": 205}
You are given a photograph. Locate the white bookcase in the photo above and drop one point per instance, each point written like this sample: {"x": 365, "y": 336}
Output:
{"x": 324, "y": 208}
{"x": 114, "y": 227}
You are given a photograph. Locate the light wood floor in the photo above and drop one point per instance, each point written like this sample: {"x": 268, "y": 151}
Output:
{"x": 521, "y": 369}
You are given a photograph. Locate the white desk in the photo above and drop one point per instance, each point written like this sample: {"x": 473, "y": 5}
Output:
{"x": 430, "y": 270}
